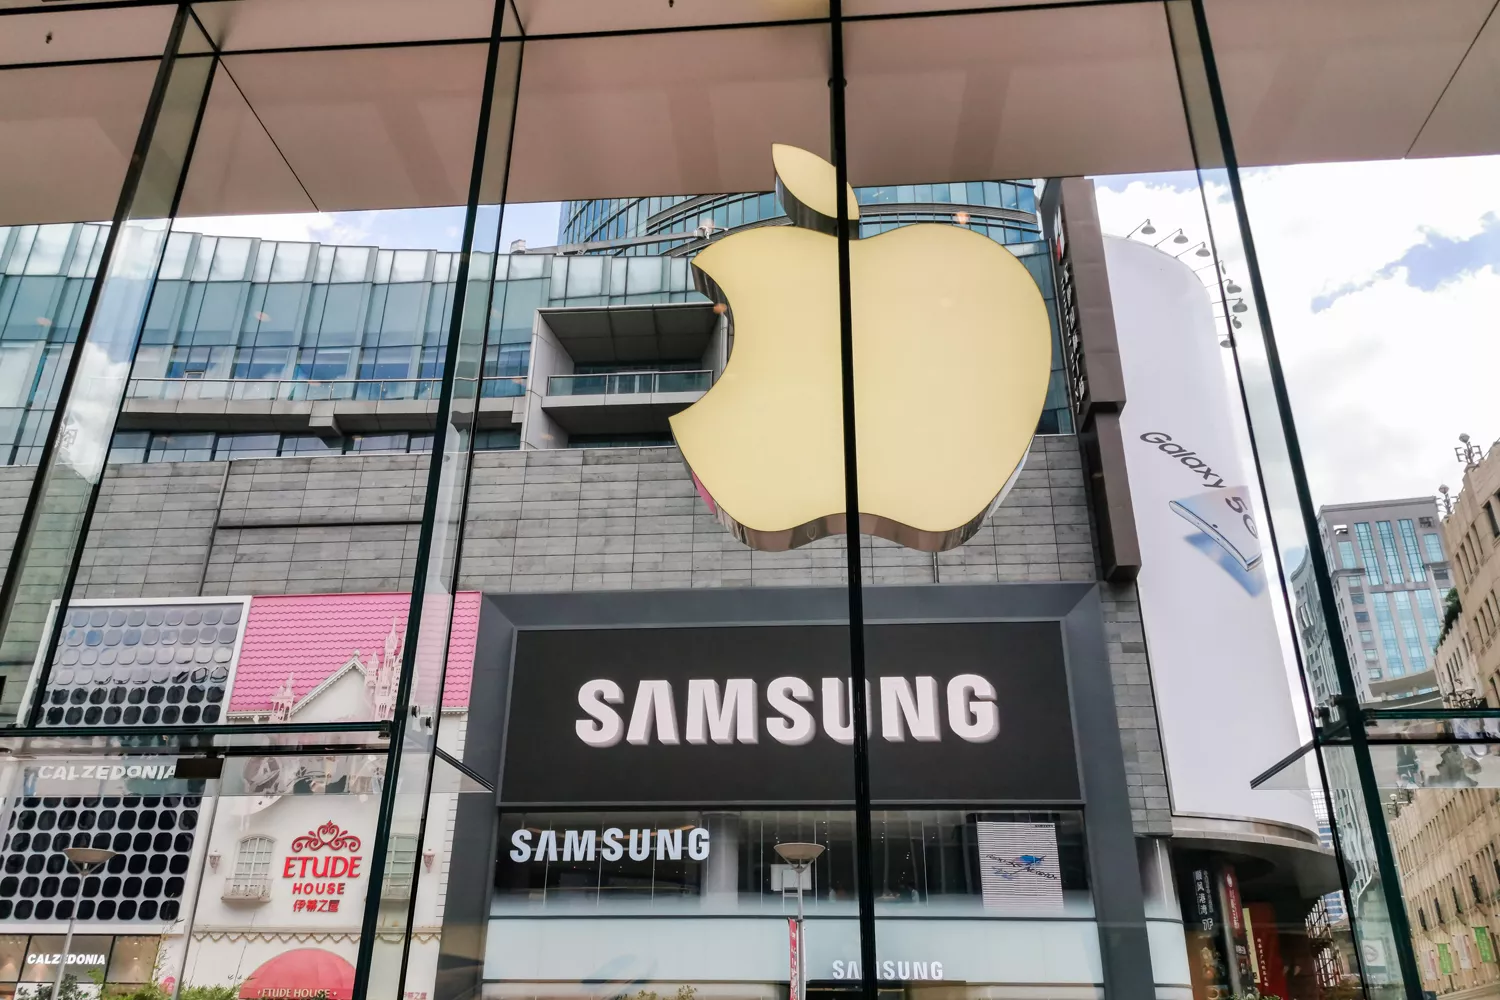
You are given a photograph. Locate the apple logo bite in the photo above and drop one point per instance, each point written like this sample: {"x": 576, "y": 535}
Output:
{"x": 952, "y": 356}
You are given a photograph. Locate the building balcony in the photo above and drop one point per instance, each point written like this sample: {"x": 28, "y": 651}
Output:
{"x": 396, "y": 889}
{"x": 622, "y": 400}
{"x": 254, "y": 889}
{"x": 332, "y": 406}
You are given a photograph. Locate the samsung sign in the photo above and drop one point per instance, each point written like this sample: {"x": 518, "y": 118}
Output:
{"x": 727, "y": 713}
{"x": 957, "y": 712}
{"x": 612, "y": 845}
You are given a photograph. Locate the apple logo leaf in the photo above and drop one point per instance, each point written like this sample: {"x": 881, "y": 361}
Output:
{"x": 952, "y": 359}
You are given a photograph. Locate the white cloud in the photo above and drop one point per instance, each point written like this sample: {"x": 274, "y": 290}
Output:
{"x": 1383, "y": 381}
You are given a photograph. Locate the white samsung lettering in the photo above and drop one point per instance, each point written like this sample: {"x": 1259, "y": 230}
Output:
{"x": 838, "y": 710}
{"x": 603, "y": 727}
{"x": 546, "y": 846}
{"x": 668, "y": 845}
{"x": 919, "y": 712}
{"x": 900, "y": 972}
{"x": 587, "y": 845}
{"x": 640, "y": 845}
{"x": 795, "y": 725}
{"x": 653, "y": 708}
{"x": 972, "y": 712}
{"x": 729, "y": 712}
{"x": 698, "y": 844}
{"x": 578, "y": 845}
{"x": 721, "y": 720}
{"x": 612, "y": 850}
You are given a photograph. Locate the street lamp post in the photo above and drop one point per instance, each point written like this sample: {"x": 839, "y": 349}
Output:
{"x": 799, "y": 857}
{"x": 86, "y": 860}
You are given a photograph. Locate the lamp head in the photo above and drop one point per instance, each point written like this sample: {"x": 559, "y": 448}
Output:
{"x": 799, "y": 855}
{"x": 1148, "y": 229}
{"x": 87, "y": 859}
{"x": 1181, "y": 237}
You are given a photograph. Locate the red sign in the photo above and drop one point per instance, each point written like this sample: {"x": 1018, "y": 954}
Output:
{"x": 795, "y": 980}
{"x": 1270, "y": 976}
{"x": 323, "y": 877}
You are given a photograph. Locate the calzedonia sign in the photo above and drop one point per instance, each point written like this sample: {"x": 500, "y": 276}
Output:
{"x": 957, "y": 712}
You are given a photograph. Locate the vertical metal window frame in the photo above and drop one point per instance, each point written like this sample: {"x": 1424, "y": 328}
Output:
{"x": 1292, "y": 519}
{"x": 413, "y": 754}
{"x": 60, "y": 507}
{"x": 854, "y": 580}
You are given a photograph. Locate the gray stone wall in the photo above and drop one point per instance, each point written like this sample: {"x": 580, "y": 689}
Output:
{"x": 585, "y": 519}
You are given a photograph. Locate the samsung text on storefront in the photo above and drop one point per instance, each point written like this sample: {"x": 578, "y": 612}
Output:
{"x": 731, "y": 711}
{"x": 614, "y": 844}
{"x": 893, "y": 972}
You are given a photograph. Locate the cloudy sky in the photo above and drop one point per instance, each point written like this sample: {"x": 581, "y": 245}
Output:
{"x": 1384, "y": 288}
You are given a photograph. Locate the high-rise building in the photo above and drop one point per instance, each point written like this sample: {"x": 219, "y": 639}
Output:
{"x": 1471, "y": 531}
{"x": 1390, "y": 574}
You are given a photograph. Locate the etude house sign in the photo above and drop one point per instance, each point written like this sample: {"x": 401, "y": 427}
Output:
{"x": 320, "y": 867}
{"x": 968, "y": 712}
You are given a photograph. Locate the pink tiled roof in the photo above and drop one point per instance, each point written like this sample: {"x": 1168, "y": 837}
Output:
{"x": 310, "y": 636}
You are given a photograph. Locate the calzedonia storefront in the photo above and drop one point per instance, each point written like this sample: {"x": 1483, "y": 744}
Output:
{"x": 656, "y": 748}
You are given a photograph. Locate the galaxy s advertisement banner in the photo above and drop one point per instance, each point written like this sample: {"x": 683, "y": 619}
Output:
{"x": 1206, "y": 600}
{"x": 958, "y": 712}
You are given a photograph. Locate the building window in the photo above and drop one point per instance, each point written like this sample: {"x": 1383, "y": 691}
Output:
{"x": 401, "y": 869}
{"x": 181, "y": 448}
{"x": 1367, "y": 552}
{"x": 1489, "y": 509}
{"x": 252, "y": 870}
{"x": 1432, "y": 543}
{"x": 1366, "y": 636}
{"x": 1387, "y": 625}
{"x": 1372, "y": 656}
{"x": 246, "y": 446}
{"x": 1357, "y": 598}
{"x": 1474, "y": 888}
{"x": 254, "y": 858}
{"x": 129, "y": 446}
{"x": 1425, "y": 522}
{"x": 1388, "y": 546}
{"x": 1409, "y": 546}
{"x": 1422, "y": 917}
{"x": 1362, "y": 616}
{"x": 1458, "y": 906}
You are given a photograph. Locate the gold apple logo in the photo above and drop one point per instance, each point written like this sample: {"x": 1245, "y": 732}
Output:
{"x": 952, "y": 355}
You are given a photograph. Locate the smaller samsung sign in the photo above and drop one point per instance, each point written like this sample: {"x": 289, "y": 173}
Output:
{"x": 612, "y": 844}
{"x": 957, "y": 712}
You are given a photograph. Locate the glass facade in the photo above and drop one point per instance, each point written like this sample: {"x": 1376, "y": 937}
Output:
{"x": 871, "y": 578}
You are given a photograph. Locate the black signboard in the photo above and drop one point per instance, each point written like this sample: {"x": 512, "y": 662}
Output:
{"x": 959, "y": 713}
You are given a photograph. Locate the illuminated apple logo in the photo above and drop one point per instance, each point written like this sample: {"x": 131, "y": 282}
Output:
{"x": 952, "y": 355}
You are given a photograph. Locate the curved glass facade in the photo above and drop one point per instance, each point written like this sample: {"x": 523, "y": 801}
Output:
{"x": 1004, "y": 210}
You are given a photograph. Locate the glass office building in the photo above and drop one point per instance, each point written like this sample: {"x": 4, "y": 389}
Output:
{"x": 829, "y": 568}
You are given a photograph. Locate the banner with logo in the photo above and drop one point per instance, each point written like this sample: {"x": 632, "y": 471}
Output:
{"x": 958, "y": 712}
{"x": 1486, "y": 945}
{"x": 1206, "y": 597}
{"x": 1018, "y": 866}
